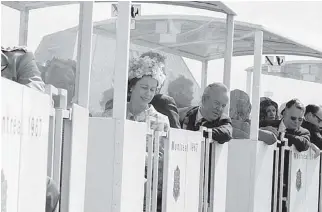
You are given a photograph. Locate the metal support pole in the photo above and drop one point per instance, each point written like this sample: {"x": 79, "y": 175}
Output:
{"x": 258, "y": 49}
{"x": 204, "y": 74}
{"x": 84, "y": 52}
{"x": 249, "y": 84}
{"x": 121, "y": 60}
{"x": 120, "y": 97}
{"x": 228, "y": 53}
{"x": 23, "y": 28}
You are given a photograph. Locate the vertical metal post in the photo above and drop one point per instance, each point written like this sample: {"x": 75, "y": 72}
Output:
{"x": 121, "y": 60}
{"x": 204, "y": 75}
{"x": 23, "y": 28}
{"x": 258, "y": 49}
{"x": 120, "y": 96}
{"x": 84, "y": 52}
{"x": 228, "y": 53}
{"x": 249, "y": 84}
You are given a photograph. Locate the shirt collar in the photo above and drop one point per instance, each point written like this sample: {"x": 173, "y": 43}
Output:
{"x": 282, "y": 126}
{"x": 198, "y": 117}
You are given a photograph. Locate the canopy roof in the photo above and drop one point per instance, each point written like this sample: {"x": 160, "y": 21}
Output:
{"x": 203, "y": 38}
{"x": 216, "y": 6}
{"x": 306, "y": 70}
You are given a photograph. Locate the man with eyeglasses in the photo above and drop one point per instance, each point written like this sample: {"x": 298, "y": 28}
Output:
{"x": 290, "y": 126}
{"x": 313, "y": 123}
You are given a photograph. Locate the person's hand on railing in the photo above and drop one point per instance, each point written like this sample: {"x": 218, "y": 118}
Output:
{"x": 271, "y": 129}
{"x": 315, "y": 149}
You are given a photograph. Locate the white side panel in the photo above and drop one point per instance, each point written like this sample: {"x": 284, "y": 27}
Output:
{"x": 249, "y": 178}
{"x": 220, "y": 177}
{"x": 100, "y": 159}
{"x": 78, "y": 158}
{"x": 33, "y": 151}
{"x": 132, "y": 181}
{"x": 11, "y": 101}
{"x": 240, "y": 164}
{"x": 181, "y": 188}
{"x": 303, "y": 185}
{"x": 263, "y": 177}
{"x": 193, "y": 175}
{"x": 312, "y": 183}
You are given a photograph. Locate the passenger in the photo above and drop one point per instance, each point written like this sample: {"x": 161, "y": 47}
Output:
{"x": 268, "y": 110}
{"x": 162, "y": 103}
{"x": 239, "y": 112}
{"x": 166, "y": 105}
{"x": 61, "y": 74}
{"x": 313, "y": 122}
{"x": 290, "y": 125}
{"x": 19, "y": 65}
{"x": 146, "y": 76}
{"x": 181, "y": 90}
{"x": 210, "y": 113}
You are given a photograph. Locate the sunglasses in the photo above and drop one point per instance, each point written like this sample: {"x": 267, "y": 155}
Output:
{"x": 319, "y": 119}
{"x": 294, "y": 118}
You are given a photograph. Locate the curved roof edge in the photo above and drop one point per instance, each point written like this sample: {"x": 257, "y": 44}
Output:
{"x": 215, "y": 6}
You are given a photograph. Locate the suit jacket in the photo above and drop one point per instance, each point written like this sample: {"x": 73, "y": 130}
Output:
{"x": 316, "y": 136}
{"x": 300, "y": 138}
{"x": 221, "y": 128}
{"x": 20, "y": 66}
{"x": 166, "y": 105}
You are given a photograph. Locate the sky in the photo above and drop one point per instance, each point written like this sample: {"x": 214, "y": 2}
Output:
{"x": 301, "y": 21}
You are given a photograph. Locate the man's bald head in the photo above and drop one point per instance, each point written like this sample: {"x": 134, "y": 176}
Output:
{"x": 214, "y": 100}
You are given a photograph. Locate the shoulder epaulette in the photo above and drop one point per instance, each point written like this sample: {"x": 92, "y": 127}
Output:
{"x": 15, "y": 48}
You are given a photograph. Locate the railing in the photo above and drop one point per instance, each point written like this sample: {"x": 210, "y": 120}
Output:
{"x": 33, "y": 145}
{"x": 42, "y": 137}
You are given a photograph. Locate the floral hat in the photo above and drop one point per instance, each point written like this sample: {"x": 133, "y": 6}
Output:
{"x": 146, "y": 66}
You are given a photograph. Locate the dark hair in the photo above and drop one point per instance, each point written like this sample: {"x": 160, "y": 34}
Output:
{"x": 264, "y": 105}
{"x": 131, "y": 83}
{"x": 297, "y": 103}
{"x": 312, "y": 109}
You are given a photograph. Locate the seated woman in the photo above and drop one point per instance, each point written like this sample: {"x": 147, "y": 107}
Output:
{"x": 161, "y": 103}
{"x": 268, "y": 110}
{"x": 146, "y": 76}
{"x": 239, "y": 111}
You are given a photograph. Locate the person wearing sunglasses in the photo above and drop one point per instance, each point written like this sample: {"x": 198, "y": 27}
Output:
{"x": 313, "y": 123}
{"x": 290, "y": 124}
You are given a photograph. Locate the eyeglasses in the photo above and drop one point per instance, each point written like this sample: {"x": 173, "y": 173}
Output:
{"x": 319, "y": 119}
{"x": 293, "y": 118}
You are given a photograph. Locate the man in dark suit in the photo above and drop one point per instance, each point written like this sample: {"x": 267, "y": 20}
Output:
{"x": 312, "y": 122}
{"x": 290, "y": 125}
{"x": 210, "y": 113}
{"x": 166, "y": 105}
